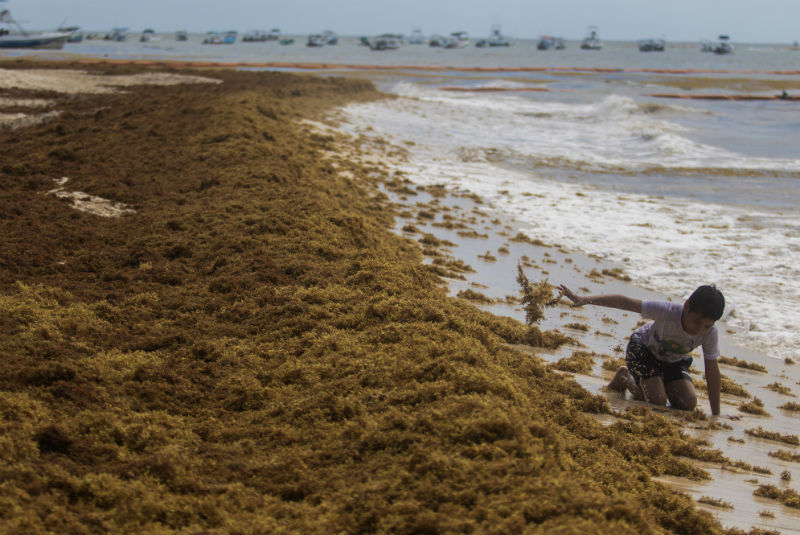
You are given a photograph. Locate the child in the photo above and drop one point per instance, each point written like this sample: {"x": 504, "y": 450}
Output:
{"x": 657, "y": 356}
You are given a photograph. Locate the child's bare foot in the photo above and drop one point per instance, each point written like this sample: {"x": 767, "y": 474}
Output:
{"x": 622, "y": 380}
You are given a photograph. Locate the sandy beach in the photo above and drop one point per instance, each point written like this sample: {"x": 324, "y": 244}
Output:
{"x": 222, "y": 315}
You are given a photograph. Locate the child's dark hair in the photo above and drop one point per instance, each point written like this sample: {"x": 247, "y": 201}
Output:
{"x": 708, "y": 302}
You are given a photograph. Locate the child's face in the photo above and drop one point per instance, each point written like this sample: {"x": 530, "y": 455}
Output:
{"x": 694, "y": 323}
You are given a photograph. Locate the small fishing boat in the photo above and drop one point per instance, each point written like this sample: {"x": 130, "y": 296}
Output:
{"x": 386, "y": 41}
{"x": 255, "y": 36}
{"x": 496, "y": 38}
{"x": 274, "y": 34}
{"x": 652, "y": 45}
{"x": 117, "y": 34}
{"x": 217, "y": 38}
{"x": 330, "y": 37}
{"x": 315, "y": 40}
{"x": 416, "y": 37}
{"x": 548, "y": 42}
{"x": 723, "y": 46}
{"x": 181, "y": 35}
{"x": 592, "y": 40}
{"x": 456, "y": 40}
{"x": 321, "y": 39}
{"x": 148, "y": 35}
{"x": 19, "y": 38}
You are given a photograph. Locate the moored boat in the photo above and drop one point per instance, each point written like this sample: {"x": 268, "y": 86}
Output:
{"x": 117, "y": 34}
{"x": 496, "y": 38}
{"x": 456, "y": 40}
{"x": 217, "y": 38}
{"x": 255, "y": 36}
{"x": 148, "y": 35}
{"x": 548, "y": 42}
{"x": 652, "y": 45}
{"x": 19, "y": 38}
{"x": 723, "y": 46}
{"x": 416, "y": 37}
{"x": 386, "y": 41}
{"x": 592, "y": 40}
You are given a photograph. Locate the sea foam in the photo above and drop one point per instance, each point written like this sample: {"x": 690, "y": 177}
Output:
{"x": 667, "y": 243}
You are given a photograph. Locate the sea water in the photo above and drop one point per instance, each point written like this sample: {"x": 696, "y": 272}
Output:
{"x": 677, "y": 192}
{"x": 662, "y": 188}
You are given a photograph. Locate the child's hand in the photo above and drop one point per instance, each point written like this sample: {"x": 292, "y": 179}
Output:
{"x": 577, "y": 301}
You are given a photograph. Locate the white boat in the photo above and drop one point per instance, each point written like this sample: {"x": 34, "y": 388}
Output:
{"x": 592, "y": 40}
{"x": 315, "y": 39}
{"x": 437, "y": 40}
{"x": 330, "y": 37}
{"x": 148, "y": 35}
{"x": 117, "y": 34}
{"x": 386, "y": 41}
{"x": 416, "y": 37}
{"x": 19, "y": 38}
{"x": 217, "y": 38}
{"x": 456, "y": 40}
{"x": 546, "y": 42}
{"x": 321, "y": 39}
{"x": 497, "y": 38}
{"x": 255, "y": 36}
{"x": 723, "y": 46}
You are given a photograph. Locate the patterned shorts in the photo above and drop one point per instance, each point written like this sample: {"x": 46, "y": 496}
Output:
{"x": 644, "y": 365}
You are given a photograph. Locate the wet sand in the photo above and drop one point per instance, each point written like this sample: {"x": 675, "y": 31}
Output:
{"x": 489, "y": 248}
{"x": 252, "y": 347}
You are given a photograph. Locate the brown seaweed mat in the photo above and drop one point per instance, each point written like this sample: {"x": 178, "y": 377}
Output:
{"x": 253, "y": 349}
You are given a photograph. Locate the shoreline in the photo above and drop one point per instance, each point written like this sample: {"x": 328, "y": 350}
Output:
{"x": 254, "y": 344}
{"x": 292, "y": 65}
{"x": 486, "y": 244}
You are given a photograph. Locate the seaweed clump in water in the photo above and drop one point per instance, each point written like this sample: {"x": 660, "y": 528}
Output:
{"x": 255, "y": 350}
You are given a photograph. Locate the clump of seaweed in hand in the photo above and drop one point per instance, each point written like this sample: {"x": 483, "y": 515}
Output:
{"x": 535, "y": 297}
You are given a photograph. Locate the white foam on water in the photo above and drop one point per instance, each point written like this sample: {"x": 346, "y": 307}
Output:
{"x": 667, "y": 244}
{"x": 612, "y": 133}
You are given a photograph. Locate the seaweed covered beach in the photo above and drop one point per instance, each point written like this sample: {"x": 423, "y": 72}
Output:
{"x": 245, "y": 345}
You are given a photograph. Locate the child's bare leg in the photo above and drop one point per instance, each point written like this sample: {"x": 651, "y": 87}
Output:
{"x": 654, "y": 391}
{"x": 681, "y": 394}
{"x": 623, "y": 380}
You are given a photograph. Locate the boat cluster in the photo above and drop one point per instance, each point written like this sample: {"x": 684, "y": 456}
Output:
{"x": 12, "y": 35}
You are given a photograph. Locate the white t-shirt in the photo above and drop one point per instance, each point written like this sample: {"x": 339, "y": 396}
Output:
{"x": 665, "y": 337}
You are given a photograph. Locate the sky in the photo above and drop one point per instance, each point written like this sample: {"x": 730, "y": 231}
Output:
{"x": 748, "y": 21}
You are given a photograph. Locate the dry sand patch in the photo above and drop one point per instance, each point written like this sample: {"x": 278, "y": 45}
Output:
{"x": 73, "y": 82}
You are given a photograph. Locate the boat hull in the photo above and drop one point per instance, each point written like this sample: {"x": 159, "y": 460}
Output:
{"x": 50, "y": 41}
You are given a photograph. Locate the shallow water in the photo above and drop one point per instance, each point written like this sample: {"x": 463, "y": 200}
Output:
{"x": 606, "y": 334}
{"x": 625, "y": 178}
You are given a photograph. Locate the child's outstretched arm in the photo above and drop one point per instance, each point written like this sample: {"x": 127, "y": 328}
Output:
{"x": 713, "y": 382}
{"x": 612, "y": 301}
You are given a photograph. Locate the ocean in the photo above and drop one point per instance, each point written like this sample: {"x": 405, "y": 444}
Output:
{"x": 573, "y": 146}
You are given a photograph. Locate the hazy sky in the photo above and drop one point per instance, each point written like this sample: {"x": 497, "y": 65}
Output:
{"x": 768, "y": 21}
